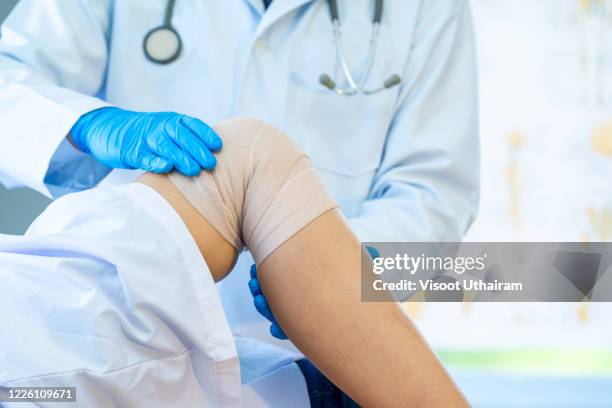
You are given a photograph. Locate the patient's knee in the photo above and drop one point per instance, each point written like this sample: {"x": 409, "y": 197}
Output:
{"x": 263, "y": 190}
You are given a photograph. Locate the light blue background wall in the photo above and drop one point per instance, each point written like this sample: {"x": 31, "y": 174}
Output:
{"x": 17, "y": 207}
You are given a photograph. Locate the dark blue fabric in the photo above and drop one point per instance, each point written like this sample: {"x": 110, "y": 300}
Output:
{"x": 322, "y": 392}
{"x": 267, "y": 3}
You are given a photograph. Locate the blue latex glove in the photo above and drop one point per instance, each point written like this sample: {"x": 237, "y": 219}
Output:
{"x": 373, "y": 252}
{"x": 157, "y": 142}
{"x": 261, "y": 304}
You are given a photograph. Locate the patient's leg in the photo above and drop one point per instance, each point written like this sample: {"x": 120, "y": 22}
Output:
{"x": 370, "y": 350}
{"x": 265, "y": 194}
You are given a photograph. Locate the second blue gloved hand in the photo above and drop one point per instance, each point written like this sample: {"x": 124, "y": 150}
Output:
{"x": 262, "y": 305}
{"x": 153, "y": 141}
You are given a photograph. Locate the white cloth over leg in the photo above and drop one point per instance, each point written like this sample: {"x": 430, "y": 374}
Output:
{"x": 108, "y": 292}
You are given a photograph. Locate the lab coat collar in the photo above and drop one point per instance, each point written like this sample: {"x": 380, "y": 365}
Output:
{"x": 276, "y": 10}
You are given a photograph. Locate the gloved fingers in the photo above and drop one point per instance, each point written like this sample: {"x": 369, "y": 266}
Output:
{"x": 190, "y": 143}
{"x": 203, "y": 132}
{"x": 373, "y": 252}
{"x": 276, "y": 331}
{"x": 254, "y": 287}
{"x": 151, "y": 162}
{"x": 162, "y": 145}
{"x": 262, "y": 307}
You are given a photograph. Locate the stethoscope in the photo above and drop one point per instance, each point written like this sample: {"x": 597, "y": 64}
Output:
{"x": 162, "y": 45}
{"x": 354, "y": 86}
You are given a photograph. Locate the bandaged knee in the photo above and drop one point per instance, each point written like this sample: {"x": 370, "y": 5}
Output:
{"x": 262, "y": 191}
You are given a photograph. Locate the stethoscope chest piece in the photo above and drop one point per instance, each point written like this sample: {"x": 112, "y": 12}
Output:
{"x": 162, "y": 45}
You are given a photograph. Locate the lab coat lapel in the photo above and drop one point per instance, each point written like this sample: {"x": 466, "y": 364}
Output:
{"x": 257, "y": 5}
{"x": 276, "y": 10}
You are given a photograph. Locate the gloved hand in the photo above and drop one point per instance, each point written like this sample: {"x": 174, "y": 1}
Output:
{"x": 261, "y": 304}
{"x": 157, "y": 142}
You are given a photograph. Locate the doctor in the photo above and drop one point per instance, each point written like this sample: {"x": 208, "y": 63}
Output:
{"x": 382, "y": 95}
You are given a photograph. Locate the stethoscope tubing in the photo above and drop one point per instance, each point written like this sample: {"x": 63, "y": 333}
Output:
{"x": 355, "y": 86}
{"x": 169, "y": 13}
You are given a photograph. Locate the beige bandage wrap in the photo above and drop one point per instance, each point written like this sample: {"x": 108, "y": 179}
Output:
{"x": 262, "y": 191}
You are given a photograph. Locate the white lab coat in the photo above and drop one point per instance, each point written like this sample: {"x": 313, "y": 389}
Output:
{"x": 403, "y": 164}
{"x": 107, "y": 292}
